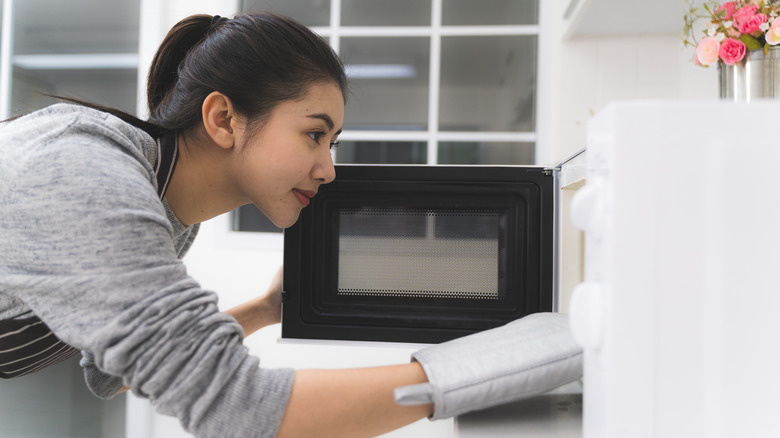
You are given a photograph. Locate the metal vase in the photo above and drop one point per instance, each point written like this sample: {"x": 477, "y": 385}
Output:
{"x": 756, "y": 77}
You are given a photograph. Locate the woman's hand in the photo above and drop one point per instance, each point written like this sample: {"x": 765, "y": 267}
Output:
{"x": 273, "y": 298}
{"x": 261, "y": 311}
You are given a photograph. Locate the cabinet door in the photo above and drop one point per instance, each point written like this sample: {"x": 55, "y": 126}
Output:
{"x": 55, "y": 402}
{"x": 86, "y": 49}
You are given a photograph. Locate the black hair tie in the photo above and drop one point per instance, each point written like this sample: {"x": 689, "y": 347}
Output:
{"x": 215, "y": 19}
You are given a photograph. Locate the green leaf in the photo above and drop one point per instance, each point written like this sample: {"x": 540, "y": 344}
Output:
{"x": 750, "y": 42}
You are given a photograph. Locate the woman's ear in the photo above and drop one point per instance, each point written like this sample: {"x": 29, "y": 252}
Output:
{"x": 218, "y": 119}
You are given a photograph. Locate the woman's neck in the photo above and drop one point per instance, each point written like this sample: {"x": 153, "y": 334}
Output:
{"x": 199, "y": 189}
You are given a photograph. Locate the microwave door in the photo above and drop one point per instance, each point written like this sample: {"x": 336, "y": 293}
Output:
{"x": 420, "y": 253}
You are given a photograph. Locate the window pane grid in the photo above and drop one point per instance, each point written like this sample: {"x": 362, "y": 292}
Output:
{"x": 436, "y": 31}
{"x": 335, "y": 31}
{"x": 427, "y": 31}
{"x": 435, "y": 81}
{"x": 437, "y": 136}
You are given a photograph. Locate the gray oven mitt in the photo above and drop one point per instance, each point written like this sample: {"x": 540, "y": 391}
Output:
{"x": 526, "y": 357}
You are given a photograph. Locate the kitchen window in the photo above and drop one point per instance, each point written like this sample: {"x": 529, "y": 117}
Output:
{"x": 432, "y": 81}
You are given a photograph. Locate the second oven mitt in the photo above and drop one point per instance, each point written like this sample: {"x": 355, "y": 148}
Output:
{"x": 526, "y": 357}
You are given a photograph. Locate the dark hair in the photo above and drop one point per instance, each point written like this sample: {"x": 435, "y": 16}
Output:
{"x": 256, "y": 60}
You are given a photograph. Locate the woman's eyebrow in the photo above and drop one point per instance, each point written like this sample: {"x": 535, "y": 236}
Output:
{"x": 326, "y": 118}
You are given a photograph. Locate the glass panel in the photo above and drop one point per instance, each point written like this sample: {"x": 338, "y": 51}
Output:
{"x": 75, "y": 26}
{"x": 388, "y": 82}
{"x": 386, "y": 13}
{"x": 113, "y": 88}
{"x": 250, "y": 218}
{"x": 392, "y": 252}
{"x": 382, "y": 152}
{"x": 485, "y": 153}
{"x": 488, "y": 83}
{"x": 308, "y": 12}
{"x": 485, "y": 12}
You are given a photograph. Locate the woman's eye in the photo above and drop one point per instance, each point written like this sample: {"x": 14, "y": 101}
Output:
{"x": 316, "y": 136}
{"x": 334, "y": 145}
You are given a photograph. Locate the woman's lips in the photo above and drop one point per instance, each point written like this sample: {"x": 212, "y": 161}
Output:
{"x": 304, "y": 197}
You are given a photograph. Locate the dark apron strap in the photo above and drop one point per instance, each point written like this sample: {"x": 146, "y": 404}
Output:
{"x": 167, "y": 156}
{"x": 27, "y": 345}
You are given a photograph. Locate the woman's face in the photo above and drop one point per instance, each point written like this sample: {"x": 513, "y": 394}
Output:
{"x": 281, "y": 167}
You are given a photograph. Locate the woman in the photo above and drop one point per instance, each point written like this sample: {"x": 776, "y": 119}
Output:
{"x": 97, "y": 209}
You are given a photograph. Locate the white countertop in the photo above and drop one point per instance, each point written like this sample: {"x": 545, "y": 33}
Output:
{"x": 556, "y": 414}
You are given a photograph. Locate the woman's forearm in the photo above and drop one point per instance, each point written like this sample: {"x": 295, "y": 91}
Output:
{"x": 252, "y": 316}
{"x": 255, "y": 314}
{"x": 351, "y": 402}
{"x": 343, "y": 403}
{"x": 263, "y": 310}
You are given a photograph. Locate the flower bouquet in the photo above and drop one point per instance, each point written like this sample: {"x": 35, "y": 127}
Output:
{"x": 732, "y": 29}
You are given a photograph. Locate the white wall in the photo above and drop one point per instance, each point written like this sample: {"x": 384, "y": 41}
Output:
{"x": 595, "y": 71}
{"x": 590, "y": 72}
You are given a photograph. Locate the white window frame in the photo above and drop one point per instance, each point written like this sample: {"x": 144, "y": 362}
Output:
{"x": 435, "y": 32}
{"x": 6, "y": 58}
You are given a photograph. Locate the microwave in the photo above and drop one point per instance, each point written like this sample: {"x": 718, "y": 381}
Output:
{"x": 421, "y": 254}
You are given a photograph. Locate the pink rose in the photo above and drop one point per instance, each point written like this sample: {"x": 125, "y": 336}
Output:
{"x": 707, "y": 51}
{"x": 752, "y": 24}
{"x": 732, "y": 51}
{"x": 729, "y": 7}
{"x": 773, "y": 34}
{"x": 744, "y": 15}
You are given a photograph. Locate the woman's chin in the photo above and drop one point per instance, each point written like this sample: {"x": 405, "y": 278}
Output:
{"x": 284, "y": 222}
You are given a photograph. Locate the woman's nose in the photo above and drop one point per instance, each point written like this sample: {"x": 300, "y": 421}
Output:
{"x": 325, "y": 171}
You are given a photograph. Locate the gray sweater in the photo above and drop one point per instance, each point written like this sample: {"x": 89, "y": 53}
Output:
{"x": 88, "y": 247}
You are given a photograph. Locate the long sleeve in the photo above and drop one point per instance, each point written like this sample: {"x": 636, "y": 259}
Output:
{"x": 87, "y": 246}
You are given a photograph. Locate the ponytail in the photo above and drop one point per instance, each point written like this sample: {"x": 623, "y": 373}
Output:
{"x": 256, "y": 60}
{"x": 174, "y": 48}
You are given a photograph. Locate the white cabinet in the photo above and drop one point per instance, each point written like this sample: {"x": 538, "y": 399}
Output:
{"x": 586, "y": 18}
{"x": 86, "y": 49}
{"x": 55, "y": 402}
{"x": 608, "y": 50}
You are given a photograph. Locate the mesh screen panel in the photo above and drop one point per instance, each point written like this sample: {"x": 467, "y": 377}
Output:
{"x": 420, "y": 253}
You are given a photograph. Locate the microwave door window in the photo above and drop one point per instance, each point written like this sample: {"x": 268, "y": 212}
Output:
{"x": 421, "y": 253}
